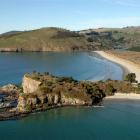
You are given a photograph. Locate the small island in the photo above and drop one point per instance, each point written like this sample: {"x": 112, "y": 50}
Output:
{"x": 43, "y": 91}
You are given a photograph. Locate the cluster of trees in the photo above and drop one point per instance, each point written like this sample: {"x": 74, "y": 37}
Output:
{"x": 131, "y": 77}
{"x": 66, "y": 34}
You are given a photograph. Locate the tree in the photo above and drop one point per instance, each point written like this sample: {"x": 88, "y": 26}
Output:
{"x": 110, "y": 90}
{"x": 139, "y": 86}
{"x": 131, "y": 77}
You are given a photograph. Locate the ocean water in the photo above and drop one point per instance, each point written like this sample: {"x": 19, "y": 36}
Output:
{"x": 117, "y": 120}
{"x": 81, "y": 66}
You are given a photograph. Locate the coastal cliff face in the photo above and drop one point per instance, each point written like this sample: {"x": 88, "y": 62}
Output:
{"x": 35, "y": 102}
{"x": 74, "y": 101}
{"x": 30, "y": 85}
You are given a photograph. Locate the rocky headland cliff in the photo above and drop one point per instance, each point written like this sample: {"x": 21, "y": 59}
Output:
{"x": 40, "y": 92}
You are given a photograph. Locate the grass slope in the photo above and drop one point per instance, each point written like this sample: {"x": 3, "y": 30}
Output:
{"x": 45, "y": 39}
{"x": 57, "y": 39}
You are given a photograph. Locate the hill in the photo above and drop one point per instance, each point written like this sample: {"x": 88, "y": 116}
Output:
{"x": 115, "y": 38}
{"x": 45, "y": 39}
{"x": 10, "y": 33}
{"x": 58, "y": 39}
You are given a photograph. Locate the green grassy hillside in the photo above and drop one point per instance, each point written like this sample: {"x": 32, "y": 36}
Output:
{"x": 45, "y": 39}
{"x": 57, "y": 39}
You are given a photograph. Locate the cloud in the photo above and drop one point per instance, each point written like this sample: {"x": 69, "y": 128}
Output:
{"x": 130, "y": 3}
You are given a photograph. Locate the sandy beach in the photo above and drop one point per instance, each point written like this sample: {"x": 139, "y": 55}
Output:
{"x": 128, "y": 65}
{"x": 131, "y": 96}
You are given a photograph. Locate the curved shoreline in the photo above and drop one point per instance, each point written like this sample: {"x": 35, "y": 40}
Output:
{"x": 124, "y": 70}
{"x": 126, "y": 64}
{"x": 128, "y": 96}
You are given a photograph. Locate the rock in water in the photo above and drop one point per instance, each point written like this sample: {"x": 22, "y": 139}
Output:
{"x": 8, "y": 88}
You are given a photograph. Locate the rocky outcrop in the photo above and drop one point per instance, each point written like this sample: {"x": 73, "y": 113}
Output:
{"x": 25, "y": 103}
{"x": 9, "y": 89}
{"x": 30, "y": 85}
{"x": 41, "y": 90}
{"x": 8, "y": 104}
{"x": 34, "y": 102}
{"x": 74, "y": 101}
{"x": 8, "y": 96}
{"x": 28, "y": 103}
{"x": 44, "y": 91}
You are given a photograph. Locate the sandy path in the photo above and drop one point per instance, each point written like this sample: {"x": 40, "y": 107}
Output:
{"x": 130, "y": 66}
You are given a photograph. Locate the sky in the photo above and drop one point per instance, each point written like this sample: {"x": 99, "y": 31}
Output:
{"x": 69, "y": 14}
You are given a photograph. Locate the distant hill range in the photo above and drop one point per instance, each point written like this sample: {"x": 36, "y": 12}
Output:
{"x": 114, "y": 38}
{"x": 58, "y": 39}
{"x": 10, "y": 33}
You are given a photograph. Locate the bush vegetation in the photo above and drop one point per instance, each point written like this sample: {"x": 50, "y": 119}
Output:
{"x": 131, "y": 77}
{"x": 82, "y": 90}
